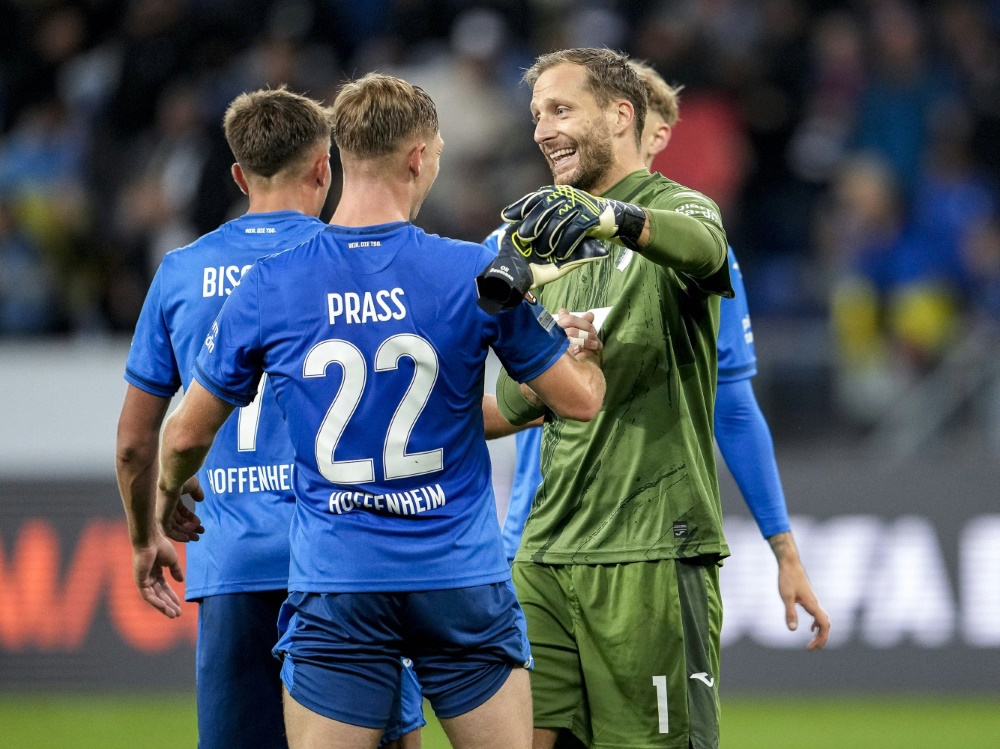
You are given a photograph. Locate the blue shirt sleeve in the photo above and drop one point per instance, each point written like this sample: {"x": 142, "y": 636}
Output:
{"x": 528, "y": 340}
{"x": 151, "y": 364}
{"x": 737, "y": 358}
{"x": 229, "y": 364}
{"x": 527, "y": 477}
{"x": 747, "y": 447}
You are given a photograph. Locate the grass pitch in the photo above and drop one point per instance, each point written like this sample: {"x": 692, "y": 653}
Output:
{"x": 158, "y": 720}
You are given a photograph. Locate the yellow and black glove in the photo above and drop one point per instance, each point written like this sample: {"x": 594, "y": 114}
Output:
{"x": 557, "y": 218}
{"x": 518, "y": 268}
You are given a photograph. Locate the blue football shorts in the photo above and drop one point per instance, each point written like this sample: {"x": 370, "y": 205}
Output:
{"x": 239, "y": 682}
{"x": 342, "y": 651}
{"x": 239, "y": 687}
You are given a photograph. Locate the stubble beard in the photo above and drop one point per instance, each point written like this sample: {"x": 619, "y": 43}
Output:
{"x": 595, "y": 153}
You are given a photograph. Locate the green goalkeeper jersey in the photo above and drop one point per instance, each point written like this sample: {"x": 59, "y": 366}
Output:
{"x": 639, "y": 481}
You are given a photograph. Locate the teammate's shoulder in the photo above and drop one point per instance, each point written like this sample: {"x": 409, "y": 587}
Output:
{"x": 455, "y": 249}
{"x": 193, "y": 250}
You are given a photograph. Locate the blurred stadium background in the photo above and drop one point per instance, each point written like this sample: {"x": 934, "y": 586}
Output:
{"x": 854, "y": 148}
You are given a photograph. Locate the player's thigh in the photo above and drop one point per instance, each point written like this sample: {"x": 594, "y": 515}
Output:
{"x": 464, "y": 643}
{"x": 341, "y": 655}
{"x": 239, "y": 689}
{"x": 502, "y": 722}
{"x": 649, "y": 643}
{"x": 557, "y": 689}
{"x": 407, "y": 713}
{"x": 310, "y": 730}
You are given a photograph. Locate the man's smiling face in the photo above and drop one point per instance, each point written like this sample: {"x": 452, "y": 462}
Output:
{"x": 571, "y": 128}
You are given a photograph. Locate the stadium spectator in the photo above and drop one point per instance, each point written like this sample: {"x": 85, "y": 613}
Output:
{"x": 799, "y": 86}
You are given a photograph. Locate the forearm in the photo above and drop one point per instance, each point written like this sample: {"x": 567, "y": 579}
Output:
{"x": 188, "y": 437}
{"x": 180, "y": 458}
{"x": 136, "y": 472}
{"x": 515, "y": 406}
{"x": 572, "y": 388}
{"x": 496, "y": 425}
{"x": 135, "y": 460}
{"x": 676, "y": 240}
{"x": 784, "y": 548}
{"x": 746, "y": 445}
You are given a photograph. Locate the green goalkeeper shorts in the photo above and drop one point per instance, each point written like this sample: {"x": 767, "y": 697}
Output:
{"x": 626, "y": 655}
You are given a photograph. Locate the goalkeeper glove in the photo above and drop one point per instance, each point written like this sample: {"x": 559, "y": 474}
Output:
{"x": 557, "y": 218}
{"x": 517, "y": 268}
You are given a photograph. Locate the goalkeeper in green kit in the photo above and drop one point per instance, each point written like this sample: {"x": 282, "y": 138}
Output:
{"x": 618, "y": 571}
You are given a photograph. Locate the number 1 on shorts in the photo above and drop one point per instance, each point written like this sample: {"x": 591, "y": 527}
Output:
{"x": 660, "y": 682}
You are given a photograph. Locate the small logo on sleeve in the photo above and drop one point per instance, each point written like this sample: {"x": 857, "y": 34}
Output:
{"x": 680, "y": 530}
{"x": 545, "y": 319}
{"x": 210, "y": 338}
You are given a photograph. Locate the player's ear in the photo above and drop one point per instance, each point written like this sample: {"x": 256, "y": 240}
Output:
{"x": 661, "y": 138}
{"x": 321, "y": 170}
{"x": 622, "y": 116}
{"x": 239, "y": 178}
{"x": 415, "y": 159}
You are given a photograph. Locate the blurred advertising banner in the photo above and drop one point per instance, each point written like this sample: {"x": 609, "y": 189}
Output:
{"x": 907, "y": 563}
{"x": 905, "y": 559}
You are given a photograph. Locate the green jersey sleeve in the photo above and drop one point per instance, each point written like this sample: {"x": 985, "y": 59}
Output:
{"x": 686, "y": 234}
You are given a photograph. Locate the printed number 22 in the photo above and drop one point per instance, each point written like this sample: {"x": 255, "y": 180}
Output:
{"x": 395, "y": 460}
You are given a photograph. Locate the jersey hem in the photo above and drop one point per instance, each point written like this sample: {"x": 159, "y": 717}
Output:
{"x": 621, "y": 557}
{"x": 240, "y": 400}
{"x": 394, "y": 586}
{"x": 256, "y": 586}
{"x": 735, "y": 374}
{"x": 149, "y": 386}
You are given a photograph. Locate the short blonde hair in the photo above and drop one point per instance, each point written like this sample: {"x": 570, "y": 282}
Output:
{"x": 663, "y": 98}
{"x": 377, "y": 113}
{"x": 272, "y": 129}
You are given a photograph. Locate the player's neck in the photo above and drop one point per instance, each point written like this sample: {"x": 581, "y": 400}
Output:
{"x": 626, "y": 161}
{"x": 370, "y": 202}
{"x": 287, "y": 199}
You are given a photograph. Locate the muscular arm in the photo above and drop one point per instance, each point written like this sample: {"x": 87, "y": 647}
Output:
{"x": 187, "y": 439}
{"x": 135, "y": 460}
{"x": 136, "y": 454}
{"x": 573, "y": 388}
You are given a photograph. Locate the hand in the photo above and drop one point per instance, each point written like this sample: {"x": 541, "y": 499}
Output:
{"x": 558, "y": 218}
{"x": 517, "y": 268}
{"x": 182, "y": 525}
{"x": 580, "y": 330}
{"x": 794, "y": 588}
{"x": 147, "y": 569}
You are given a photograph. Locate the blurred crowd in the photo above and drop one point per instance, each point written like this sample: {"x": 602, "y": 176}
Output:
{"x": 854, "y": 147}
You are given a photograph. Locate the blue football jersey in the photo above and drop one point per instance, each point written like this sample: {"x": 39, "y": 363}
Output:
{"x": 247, "y": 476}
{"x": 737, "y": 361}
{"x": 375, "y": 349}
{"x": 737, "y": 358}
